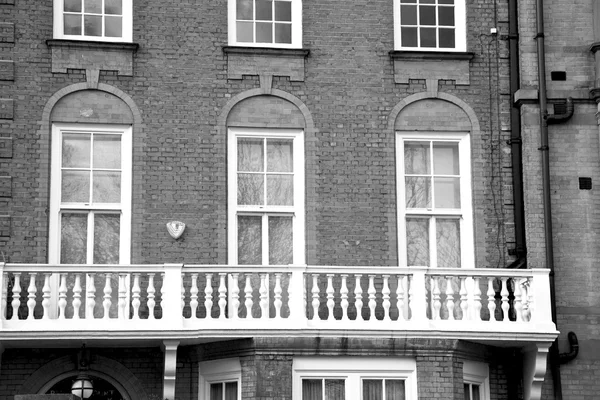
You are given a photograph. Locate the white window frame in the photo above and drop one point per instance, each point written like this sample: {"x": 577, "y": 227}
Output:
{"x": 219, "y": 371}
{"x": 296, "y": 28}
{"x": 477, "y": 373}
{"x": 55, "y": 190}
{"x": 460, "y": 25}
{"x": 296, "y": 211}
{"x": 127, "y": 29}
{"x": 467, "y": 252}
{"x": 353, "y": 370}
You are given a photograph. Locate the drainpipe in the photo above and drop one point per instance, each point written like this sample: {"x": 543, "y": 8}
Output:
{"x": 544, "y": 120}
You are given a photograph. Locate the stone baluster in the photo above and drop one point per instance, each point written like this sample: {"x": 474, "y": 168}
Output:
{"x": 400, "y": 297}
{"x": 449, "y": 298}
{"x": 315, "y": 296}
{"x": 358, "y": 302}
{"x": 518, "y": 301}
{"x": 504, "y": 293}
{"x": 135, "y": 296}
{"x": 372, "y": 303}
{"x": 248, "y": 291}
{"x": 16, "y": 297}
{"x": 476, "y": 299}
{"x": 264, "y": 296}
{"x": 151, "y": 294}
{"x": 46, "y": 296}
{"x": 182, "y": 303}
{"x": 194, "y": 296}
{"x": 90, "y": 296}
{"x": 436, "y": 297}
{"x": 330, "y": 301}
{"x": 344, "y": 297}
{"x": 62, "y": 296}
{"x": 464, "y": 298}
{"x": 208, "y": 291}
{"x": 107, "y": 302}
{"x": 277, "y": 295}
{"x": 76, "y": 296}
{"x": 122, "y": 291}
{"x": 222, "y": 295}
{"x": 385, "y": 292}
{"x": 4, "y": 299}
{"x": 32, "y": 290}
{"x": 491, "y": 298}
{"x": 235, "y": 295}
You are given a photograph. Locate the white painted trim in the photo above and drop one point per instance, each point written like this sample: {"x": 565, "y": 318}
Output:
{"x": 478, "y": 373}
{"x": 466, "y": 211}
{"x": 353, "y": 370}
{"x": 296, "y": 28}
{"x": 126, "y": 196}
{"x": 296, "y": 211}
{"x": 460, "y": 24}
{"x": 226, "y": 370}
{"x": 127, "y": 32}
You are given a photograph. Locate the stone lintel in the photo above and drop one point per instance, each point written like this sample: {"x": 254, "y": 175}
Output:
{"x": 431, "y": 66}
{"x": 265, "y": 62}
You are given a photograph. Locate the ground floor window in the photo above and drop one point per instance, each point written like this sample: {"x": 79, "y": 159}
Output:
{"x": 354, "y": 378}
{"x": 220, "y": 379}
{"x": 476, "y": 380}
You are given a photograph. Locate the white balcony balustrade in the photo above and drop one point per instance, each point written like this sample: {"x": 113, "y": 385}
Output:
{"x": 213, "y": 300}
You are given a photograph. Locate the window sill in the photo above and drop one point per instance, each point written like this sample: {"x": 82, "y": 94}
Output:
{"x": 431, "y": 65}
{"x": 92, "y": 55}
{"x": 265, "y": 61}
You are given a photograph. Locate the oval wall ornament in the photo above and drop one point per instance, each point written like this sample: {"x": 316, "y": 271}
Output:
{"x": 175, "y": 229}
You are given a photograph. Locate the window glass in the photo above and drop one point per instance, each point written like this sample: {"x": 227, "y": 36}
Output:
{"x": 429, "y": 24}
{"x": 264, "y": 22}
{"x": 108, "y": 20}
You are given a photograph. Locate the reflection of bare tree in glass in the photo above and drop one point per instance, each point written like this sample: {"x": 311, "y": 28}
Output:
{"x": 448, "y": 243}
{"x": 280, "y": 241}
{"x": 106, "y": 238}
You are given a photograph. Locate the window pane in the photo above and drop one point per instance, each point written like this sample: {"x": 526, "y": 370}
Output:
{"x": 427, "y": 1}
{"x": 280, "y": 190}
{"x": 249, "y": 240}
{"x": 447, "y": 192}
{"x": 264, "y": 10}
{"x": 445, "y": 158}
{"x": 446, "y": 16}
{"x": 475, "y": 392}
{"x": 408, "y": 15}
{"x": 416, "y": 158}
{"x": 283, "y": 11}
{"x": 283, "y": 33}
{"x": 73, "y": 238}
{"x": 418, "y": 192}
{"x": 76, "y": 149}
{"x": 428, "y": 37}
{"x": 427, "y": 15}
{"x": 72, "y": 24}
{"x": 113, "y": 27}
{"x": 394, "y": 389}
{"x": 409, "y": 37}
{"x": 250, "y": 155}
{"x": 372, "y": 389}
{"x": 93, "y": 6}
{"x": 231, "y": 389}
{"x": 107, "y": 151}
{"x": 312, "y": 389}
{"x": 75, "y": 187}
{"x": 245, "y": 9}
{"x": 245, "y": 32}
{"x": 114, "y": 7}
{"x": 447, "y": 40}
{"x": 417, "y": 241}
{"x": 106, "y": 238}
{"x": 72, "y": 5}
{"x": 280, "y": 241}
{"x": 448, "y": 243}
{"x": 264, "y": 32}
{"x": 216, "y": 391}
{"x": 446, "y": 1}
{"x": 334, "y": 389}
{"x": 250, "y": 189}
{"x": 107, "y": 187}
{"x": 92, "y": 25}
{"x": 279, "y": 155}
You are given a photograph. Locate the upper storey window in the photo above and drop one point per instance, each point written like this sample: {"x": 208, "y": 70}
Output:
{"x": 265, "y": 23}
{"x": 430, "y": 25}
{"x": 99, "y": 20}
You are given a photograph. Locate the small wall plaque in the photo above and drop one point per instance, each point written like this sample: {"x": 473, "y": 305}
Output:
{"x": 175, "y": 229}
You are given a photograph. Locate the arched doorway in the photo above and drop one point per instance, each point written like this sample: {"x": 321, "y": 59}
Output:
{"x": 105, "y": 388}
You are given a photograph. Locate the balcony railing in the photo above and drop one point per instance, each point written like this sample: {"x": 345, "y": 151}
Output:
{"x": 216, "y": 300}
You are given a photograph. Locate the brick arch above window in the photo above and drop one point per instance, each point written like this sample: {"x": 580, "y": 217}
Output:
{"x": 92, "y": 106}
